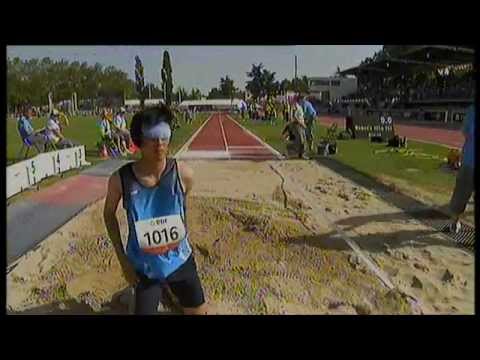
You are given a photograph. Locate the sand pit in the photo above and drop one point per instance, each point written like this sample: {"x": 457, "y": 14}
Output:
{"x": 264, "y": 245}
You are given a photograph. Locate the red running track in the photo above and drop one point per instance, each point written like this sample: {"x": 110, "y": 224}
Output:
{"x": 210, "y": 137}
{"x": 222, "y": 137}
{"x": 450, "y": 138}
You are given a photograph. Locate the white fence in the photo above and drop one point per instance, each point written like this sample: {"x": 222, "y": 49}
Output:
{"x": 27, "y": 173}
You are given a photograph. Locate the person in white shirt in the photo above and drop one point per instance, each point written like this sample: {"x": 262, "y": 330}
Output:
{"x": 53, "y": 131}
{"x": 120, "y": 128}
{"x": 299, "y": 120}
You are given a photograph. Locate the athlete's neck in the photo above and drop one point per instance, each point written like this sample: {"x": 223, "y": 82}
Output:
{"x": 146, "y": 166}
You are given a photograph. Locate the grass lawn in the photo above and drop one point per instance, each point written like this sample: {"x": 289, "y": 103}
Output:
{"x": 360, "y": 155}
{"x": 83, "y": 129}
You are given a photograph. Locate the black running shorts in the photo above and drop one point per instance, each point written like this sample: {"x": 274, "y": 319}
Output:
{"x": 184, "y": 283}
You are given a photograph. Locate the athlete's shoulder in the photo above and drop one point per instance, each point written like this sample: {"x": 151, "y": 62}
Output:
{"x": 114, "y": 183}
{"x": 185, "y": 171}
{"x": 116, "y": 178}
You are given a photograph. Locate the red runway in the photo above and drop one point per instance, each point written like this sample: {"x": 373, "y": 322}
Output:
{"x": 223, "y": 138}
{"x": 450, "y": 138}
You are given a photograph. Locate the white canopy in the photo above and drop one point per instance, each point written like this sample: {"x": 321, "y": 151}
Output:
{"x": 211, "y": 102}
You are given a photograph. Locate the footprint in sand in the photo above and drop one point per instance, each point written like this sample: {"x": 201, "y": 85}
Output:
{"x": 44, "y": 255}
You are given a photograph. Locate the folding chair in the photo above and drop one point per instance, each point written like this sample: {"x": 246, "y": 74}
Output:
{"x": 26, "y": 146}
{"x": 50, "y": 146}
{"x": 109, "y": 145}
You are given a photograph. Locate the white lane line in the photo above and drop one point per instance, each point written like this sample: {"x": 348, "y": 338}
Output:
{"x": 187, "y": 144}
{"x": 204, "y": 154}
{"x": 434, "y": 143}
{"x": 275, "y": 152}
{"x": 223, "y": 133}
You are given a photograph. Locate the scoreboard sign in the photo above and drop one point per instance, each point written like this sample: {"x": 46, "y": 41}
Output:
{"x": 367, "y": 126}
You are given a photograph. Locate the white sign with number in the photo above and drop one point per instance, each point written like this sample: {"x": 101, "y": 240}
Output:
{"x": 161, "y": 234}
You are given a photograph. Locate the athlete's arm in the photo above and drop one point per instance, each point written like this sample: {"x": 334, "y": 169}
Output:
{"x": 186, "y": 177}
{"x": 114, "y": 194}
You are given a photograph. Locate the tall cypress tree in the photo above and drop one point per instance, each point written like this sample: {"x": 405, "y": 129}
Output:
{"x": 167, "y": 80}
{"x": 140, "y": 81}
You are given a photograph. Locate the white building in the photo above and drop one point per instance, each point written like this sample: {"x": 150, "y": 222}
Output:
{"x": 332, "y": 88}
{"x": 211, "y": 104}
{"x": 148, "y": 102}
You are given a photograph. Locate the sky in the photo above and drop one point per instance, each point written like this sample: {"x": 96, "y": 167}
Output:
{"x": 203, "y": 66}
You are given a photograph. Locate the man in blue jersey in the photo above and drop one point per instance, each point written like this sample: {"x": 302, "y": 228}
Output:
{"x": 27, "y": 132}
{"x": 154, "y": 191}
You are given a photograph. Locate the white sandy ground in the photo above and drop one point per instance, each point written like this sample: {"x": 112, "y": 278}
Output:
{"x": 417, "y": 260}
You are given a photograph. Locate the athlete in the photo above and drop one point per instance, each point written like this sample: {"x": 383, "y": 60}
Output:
{"x": 154, "y": 191}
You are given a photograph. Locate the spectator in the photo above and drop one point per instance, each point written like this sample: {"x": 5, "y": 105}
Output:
{"x": 119, "y": 125}
{"x": 286, "y": 111}
{"x": 53, "y": 131}
{"x": 290, "y": 133}
{"x": 464, "y": 185}
{"x": 108, "y": 137}
{"x": 25, "y": 128}
{"x": 309, "y": 114}
{"x": 298, "y": 119}
{"x": 189, "y": 116}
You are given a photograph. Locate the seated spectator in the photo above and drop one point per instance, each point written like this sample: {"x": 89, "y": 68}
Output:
{"x": 28, "y": 134}
{"x": 291, "y": 135}
{"x": 53, "y": 131}
{"x": 109, "y": 138}
{"x": 119, "y": 125}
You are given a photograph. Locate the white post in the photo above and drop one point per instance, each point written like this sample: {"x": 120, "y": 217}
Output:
{"x": 50, "y": 102}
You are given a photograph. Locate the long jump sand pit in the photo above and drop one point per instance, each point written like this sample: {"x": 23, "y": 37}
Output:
{"x": 263, "y": 247}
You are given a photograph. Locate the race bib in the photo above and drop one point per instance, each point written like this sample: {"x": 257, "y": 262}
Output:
{"x": 159, "y": 235}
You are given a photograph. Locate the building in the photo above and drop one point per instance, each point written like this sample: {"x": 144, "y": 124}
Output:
{"x": 400, "y": 77}
{"x": 332, "y": 88}
{"x": 148, "y": 102}
{"x": 211, "y": 104}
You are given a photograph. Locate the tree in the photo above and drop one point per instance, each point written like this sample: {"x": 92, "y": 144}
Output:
{"x": 255, "y": 85}
{"x": 227, "y": 88}
{"x": 286, "y": 85}
{"x": 31, "y": 81}
{"x": 301, "y": 85}
{"x": 154, "y": 91}
{"x": 262, "y": 82}
{"x": 167, "y": 80}
{"x": 240, "y": 94}
{"x": 214, "y": 93}
{"x": 195, "y": 94}
{"x": 181, "y": 94}
{"x": 139, "y": 80}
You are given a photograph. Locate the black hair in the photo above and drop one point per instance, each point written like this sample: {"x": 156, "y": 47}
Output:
{"x": 150, "y": 117}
